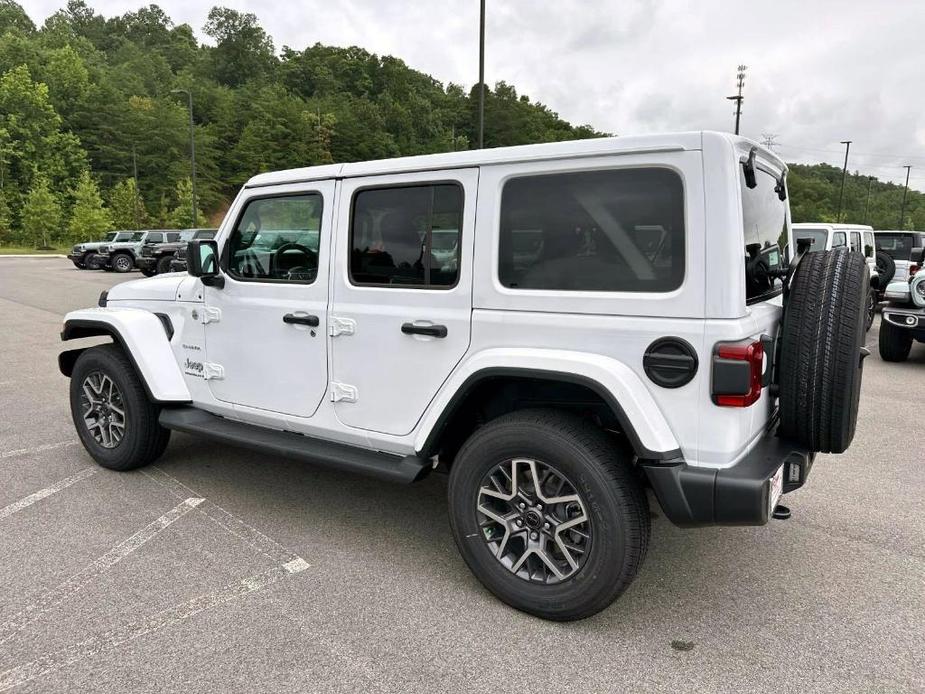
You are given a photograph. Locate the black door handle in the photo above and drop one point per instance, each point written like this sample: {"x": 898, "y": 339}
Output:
{"x": 431, "y": 330}
{"x": 311, "y": 321}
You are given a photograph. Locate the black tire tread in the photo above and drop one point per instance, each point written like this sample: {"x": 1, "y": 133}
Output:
{"x": 823, "y": 331}
{"x": 623, "y": 479}
{"x": 895, "y": 342}
{"x": 146, "y": 440}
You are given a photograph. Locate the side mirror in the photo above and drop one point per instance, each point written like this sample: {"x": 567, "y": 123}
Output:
{"x": 918, "y": 256}
{"x": 869, "y": 251}
{"x": 202, "y": 262}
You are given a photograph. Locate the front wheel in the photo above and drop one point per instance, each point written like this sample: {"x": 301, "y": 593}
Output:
{"x": 895, "y": 342}
{"x": 122, "y": 262}
{"x": 115, "y": 421}
{"x": 163, "y": 264}
{"x": 548, "y": 513}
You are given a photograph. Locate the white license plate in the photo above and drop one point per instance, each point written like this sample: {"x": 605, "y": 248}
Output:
{"x": 777, "y": 488}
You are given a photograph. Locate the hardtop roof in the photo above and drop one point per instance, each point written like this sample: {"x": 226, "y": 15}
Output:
{"x": 503, "y": 155}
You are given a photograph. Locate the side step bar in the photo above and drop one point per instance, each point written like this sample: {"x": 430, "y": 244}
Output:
{"x": 286, "y": 444}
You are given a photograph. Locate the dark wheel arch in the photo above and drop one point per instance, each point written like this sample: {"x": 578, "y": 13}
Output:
{"x": 459, "y": 400}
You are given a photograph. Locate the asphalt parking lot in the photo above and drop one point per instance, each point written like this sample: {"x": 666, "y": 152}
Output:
{"x": 221, "y": 570}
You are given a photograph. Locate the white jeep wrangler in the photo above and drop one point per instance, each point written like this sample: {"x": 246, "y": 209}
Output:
{"x": 558, "y": 326}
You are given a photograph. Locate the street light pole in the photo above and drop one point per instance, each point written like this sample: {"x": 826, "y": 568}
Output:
{"x": 740, "y": 81}
{"x": 192, "y": 147}
{"x": 482, "y": 74}
{"x": 844, "y": 174}
{"x": 902, "y": 209}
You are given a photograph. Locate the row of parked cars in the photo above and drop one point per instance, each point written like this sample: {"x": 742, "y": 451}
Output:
{"x": 894, "y": 259}
{"x": 153, "y": 251}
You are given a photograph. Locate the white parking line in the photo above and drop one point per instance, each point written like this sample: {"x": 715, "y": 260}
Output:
{"x": 26, "y": 502}
{"x": 227, "y": 520}
{"x": 116, "y": 637}
{"x": 74, "y": 584}
{"x": 37, "y": 449}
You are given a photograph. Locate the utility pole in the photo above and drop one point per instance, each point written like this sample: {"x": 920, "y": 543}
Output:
{"x": 135, "y": 187}
{"x": 192, "y": 147}
{"x": 902, "y": 209}
{"x": 844, "y": 174}
{"x": 870, "y": 179}
{"x": 768, "y": 140}
{"x": 740, "y": 81}
{"x": 482, "y": 74}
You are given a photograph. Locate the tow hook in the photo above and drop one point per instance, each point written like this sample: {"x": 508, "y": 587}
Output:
{"x": 781, "y": 512}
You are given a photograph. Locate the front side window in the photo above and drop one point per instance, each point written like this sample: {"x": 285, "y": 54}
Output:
{"x": 277, "y": 239}
{"x": 764, "y": 220}
{"x": 173, "y": 236}
{"x": 157, "y": 237}
{"x": 125, "y": 236}
{"x": 620, "y": 230}
{"x": 406, "y": 236}
{"x": 137, "y": 236}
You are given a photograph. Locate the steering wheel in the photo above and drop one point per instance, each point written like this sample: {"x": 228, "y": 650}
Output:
{"x": 306, "y": 262}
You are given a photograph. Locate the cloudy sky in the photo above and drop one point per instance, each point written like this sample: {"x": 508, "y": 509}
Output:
{"x": 819, "y": 71}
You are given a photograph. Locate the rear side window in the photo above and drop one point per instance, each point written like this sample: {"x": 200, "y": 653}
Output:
{"x": 856, "y": 242}
{"x": 816, "y": 237}
{"x": 838, "y": 239}
{"x": 868, "y": 244}
{"x": 619, "y": 230}
{"x": 764, "y": 220}
{"x": 277, "y": 239}
{"x": 406, "y": 236}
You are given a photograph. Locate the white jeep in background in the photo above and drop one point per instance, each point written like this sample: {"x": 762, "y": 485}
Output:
{"x": 613, "y": 315}
{"x": 904, "y": 316}
{"x": 823, "y": 236}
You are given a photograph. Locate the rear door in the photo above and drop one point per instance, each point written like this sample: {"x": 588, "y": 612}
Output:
{"x": 402, "y": 294}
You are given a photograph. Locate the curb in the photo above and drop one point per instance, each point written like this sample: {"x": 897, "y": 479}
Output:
{"x": 31, "y": 255}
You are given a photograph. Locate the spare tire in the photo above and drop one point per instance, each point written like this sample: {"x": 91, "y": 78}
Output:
{"x": 821, "y": 360}
{"x": 886, "y": 267}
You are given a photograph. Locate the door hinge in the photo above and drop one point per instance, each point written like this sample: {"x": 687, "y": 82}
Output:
{"x": 341, "y": 326}
{"x": 213, "y": 372}
{"x": 210, "y": 314}
{"x": 342, "y": 392}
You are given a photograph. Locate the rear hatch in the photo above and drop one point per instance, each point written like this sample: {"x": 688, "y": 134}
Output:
{"x": 898, "y": 245}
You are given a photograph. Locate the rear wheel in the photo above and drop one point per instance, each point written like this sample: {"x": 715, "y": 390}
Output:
{"x": 821, "y": 361}
{"x": 548, "y": 513}
{"x": 895, "y": 342}
{"x": 871, "y": 308}
{"x": 163, "y": 264}
{"x": 122, "y": 262}
{"x": 115, "y": 421}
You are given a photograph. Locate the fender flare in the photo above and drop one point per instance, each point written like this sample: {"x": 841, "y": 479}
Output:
{"x": 144, "y": 338}
{"x": 624, "y": 392}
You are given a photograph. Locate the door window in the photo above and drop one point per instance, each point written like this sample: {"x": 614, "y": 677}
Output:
{"x": 856, "y": 242}
{"x": 838, "y": 239}
{"x": 620, "y": 230}
{"x": 276, "y": 239}
{"x": 868, "y": 244}
{"x": 406, "y": 236}
{"x": 764, "y": 220}
{"x": 156, "y": 237}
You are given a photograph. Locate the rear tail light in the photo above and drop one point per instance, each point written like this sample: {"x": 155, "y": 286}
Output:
{"x": 913, "y": 269}
{"x": 738, "y": 373}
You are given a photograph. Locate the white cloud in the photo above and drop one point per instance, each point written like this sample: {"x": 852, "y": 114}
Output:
{"x": 819, "y": 71}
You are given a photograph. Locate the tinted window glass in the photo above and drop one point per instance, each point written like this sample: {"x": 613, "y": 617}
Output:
{"x": 764, "y": 219}
{"x": 173, "y": 236}
{"x": 898, "y": 246}
{"x": 617, "y": 230}
{"x": 277, "y": 239}
{"x": 817, "y": 238}
{"x": 156, "y": 237}
{"x": 406, "y": 236}
{"x": 868, "y": 244}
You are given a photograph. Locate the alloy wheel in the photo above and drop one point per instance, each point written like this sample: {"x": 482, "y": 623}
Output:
{"x": 104, "y": 409}
{"x": 533, "y": 520}
{"x": 123, "y": 263}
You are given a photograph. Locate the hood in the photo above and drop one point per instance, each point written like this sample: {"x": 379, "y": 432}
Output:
{"x": 158, "y": 288}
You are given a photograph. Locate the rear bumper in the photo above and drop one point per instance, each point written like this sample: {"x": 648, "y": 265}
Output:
{"x": 693, "y": 496}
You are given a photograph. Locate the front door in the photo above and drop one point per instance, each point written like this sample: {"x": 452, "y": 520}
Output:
{"x": 402, "y": 294}
{"x": 265, "y": 329}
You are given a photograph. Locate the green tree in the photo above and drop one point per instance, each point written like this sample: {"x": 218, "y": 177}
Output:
{"x": 89, "y": 219}
{"x": 13, "y": 16}
{"x": 126, "y": 206}
{"x": 243, "y": 50}
{"x": 181, "y": 216}
{"x": 6, "y": 220}
{"x": 41, "y": 214}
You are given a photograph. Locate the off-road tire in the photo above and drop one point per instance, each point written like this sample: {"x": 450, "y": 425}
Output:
{"x": 886, "y": 267}
{"x": 895, "y": 342}
{"x": 163, "y": 264}
{"x": 79, "y": 265}
{"x": 821, "y": 361}
{"x": 91, "y": 261}
{"x": 870, "y": 309}
{"x": 122, "y": 262}
{"x": 144, "y": 440}
{"x": 610, "y": 489}
{"x": 149, "y": 273}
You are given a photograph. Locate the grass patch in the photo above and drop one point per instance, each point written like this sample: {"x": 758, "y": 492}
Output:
{"x": 26, "y": 250}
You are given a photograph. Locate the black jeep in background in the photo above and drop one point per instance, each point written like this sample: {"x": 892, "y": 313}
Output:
{"x": 156, "y": 258}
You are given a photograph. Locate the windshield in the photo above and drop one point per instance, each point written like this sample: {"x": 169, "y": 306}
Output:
{"x": 897, "y": 246}
{"x": 123, "y": 236}
{"x": 816, "y": 238}
{"x": 111, "y": 236}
